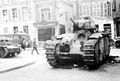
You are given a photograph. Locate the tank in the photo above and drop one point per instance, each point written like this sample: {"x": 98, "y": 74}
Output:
{"x": 8, "y": 47}
{"x": 84, "y": 46}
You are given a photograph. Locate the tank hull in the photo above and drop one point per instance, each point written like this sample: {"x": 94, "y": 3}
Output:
{"x": 94, "y": 52}
{"x": 9, "y": 51}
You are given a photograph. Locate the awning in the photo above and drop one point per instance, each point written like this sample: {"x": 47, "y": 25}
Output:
{"x": 45, "y": 24}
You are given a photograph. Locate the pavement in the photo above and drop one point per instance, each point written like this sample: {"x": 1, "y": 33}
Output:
{"x": 22, "y": 60}
{"x": 26, "y": 59}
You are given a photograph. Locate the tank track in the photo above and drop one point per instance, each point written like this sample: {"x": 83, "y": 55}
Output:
{"x": 52, "y": 55}
{"x": 89, "y": 57}
{"x": 96, "y": 53}
{"x": 51, "y": 58}
{"x": 4, "y": 52}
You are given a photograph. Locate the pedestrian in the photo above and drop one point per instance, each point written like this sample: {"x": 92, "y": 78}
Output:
{"x": 35, "y": 47}
{"x": 22, "y": 44}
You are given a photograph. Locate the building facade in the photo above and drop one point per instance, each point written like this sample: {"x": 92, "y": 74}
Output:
{"x": 40, "y": 19}
{"x": 99, "y": 10}
{"x": 52, "y": 18}
{"x": 116, "y": 17}
{"x": 16, "y": 16}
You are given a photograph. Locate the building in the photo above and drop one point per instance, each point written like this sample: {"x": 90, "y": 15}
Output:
{"x": 16, "y": 16}
{"x": 99, "y": 10}
{"x": 53, "y": 19}
{"x": 41, "y": 19}
{"x": 116, "y": 17}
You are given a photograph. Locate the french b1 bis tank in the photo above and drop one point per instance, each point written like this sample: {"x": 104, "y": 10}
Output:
{"x": 85, "y": 46}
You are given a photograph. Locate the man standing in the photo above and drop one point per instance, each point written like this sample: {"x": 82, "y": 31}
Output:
{"x": 35, "y": 47}
{"x": 22, "y": 45}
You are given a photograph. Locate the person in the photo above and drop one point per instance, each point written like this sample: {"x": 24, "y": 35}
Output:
{"x": 22, "y": 44}
{"x": 35, "y": 47}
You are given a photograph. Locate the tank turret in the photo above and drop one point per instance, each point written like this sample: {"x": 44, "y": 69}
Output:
{"x": 85, "y": 23}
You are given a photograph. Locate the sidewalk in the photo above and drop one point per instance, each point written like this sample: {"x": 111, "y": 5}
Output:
{"x": 22, "y": 60}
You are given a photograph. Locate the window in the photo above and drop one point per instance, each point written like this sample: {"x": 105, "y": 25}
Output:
{"x": 102, "y": 9}
{"x": 119, "y": 8}
{"x": 106, "y": 10}
{"x": 91, "y": 10}
{"x": 109, "y": 9}
{"x": 46, "y": 15}
{"x": 25, "y": 29}
{"x": 14, "y": 12}
{"x": 80, "y": 10}
{"x": 114, "y": 5}
{"x": 5, "y": 17}
{"x": 15, "y": 29}
{"x": 18, "y": 1}
{"x": 4, "y": 12}
{"x": 25, "y": 13}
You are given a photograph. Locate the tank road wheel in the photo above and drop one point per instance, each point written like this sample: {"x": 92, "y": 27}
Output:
{"x": 3, "y": 52}
{"x": 12, "y": 54}
{"x": 20, "y": 50}
{"x": 8, "y": 55}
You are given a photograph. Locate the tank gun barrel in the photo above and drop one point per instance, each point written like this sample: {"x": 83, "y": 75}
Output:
{"x": 75, "y": 26}
{"x": 72, "y": 21}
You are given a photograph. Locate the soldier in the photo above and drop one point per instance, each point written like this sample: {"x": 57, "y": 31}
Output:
{"x": 35, "y": 47}
{"x": 23, "y": 46}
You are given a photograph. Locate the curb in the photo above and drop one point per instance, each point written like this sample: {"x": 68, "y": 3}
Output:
{"x": 17, "y": 67}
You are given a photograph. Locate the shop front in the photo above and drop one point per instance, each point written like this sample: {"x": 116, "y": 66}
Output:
{"x": 45, "y": 30}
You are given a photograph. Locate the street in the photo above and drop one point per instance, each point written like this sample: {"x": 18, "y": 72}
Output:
{"x": 41, "y": 71}
{"x": 77, "y": 30}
